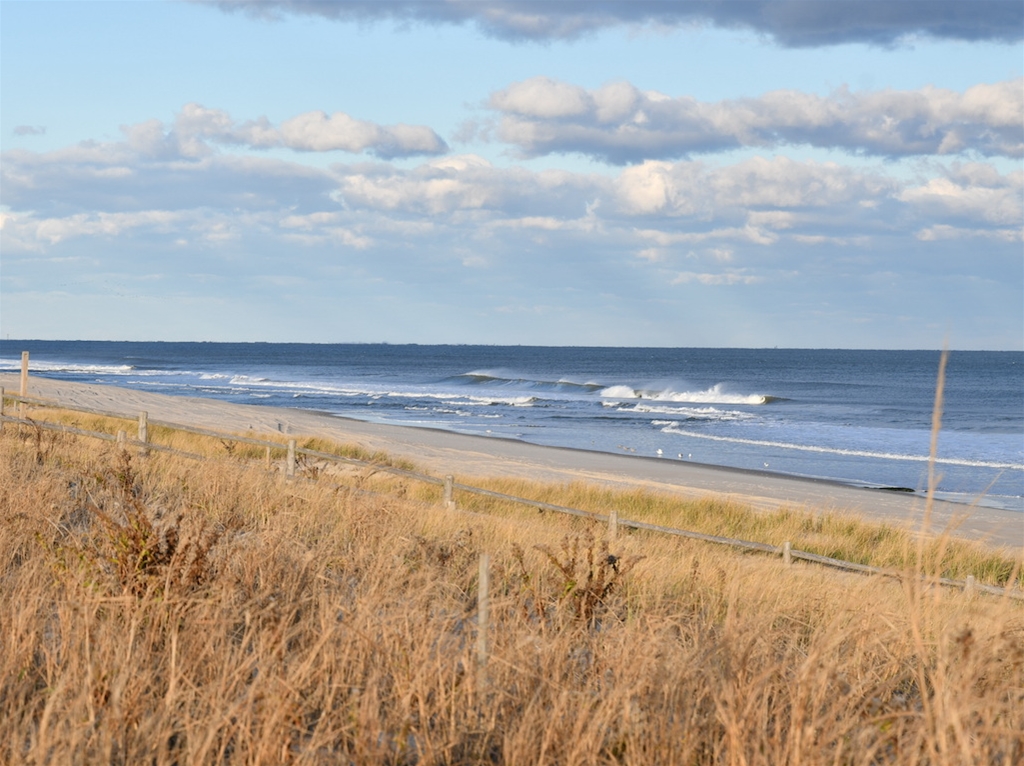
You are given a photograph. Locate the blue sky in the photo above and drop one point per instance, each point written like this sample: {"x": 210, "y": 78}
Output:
{"x": 802, "y": 174}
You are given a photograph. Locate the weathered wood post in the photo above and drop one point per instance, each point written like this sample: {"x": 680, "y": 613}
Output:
{"x": 268, "y": 458}
{"x": 449, "y": 486}
{"x": 290, "y": 471}
{"x": 143, "y": 432}
{"x": 969, "y": 588}
{"x": 1, "y": 409}
{"x": 787, "y": 553}
{"x": 613, "y": 526}
{"x": 122, "y": 438}
{"x": 483, "y": 618}
{"x": 24, "y": 383}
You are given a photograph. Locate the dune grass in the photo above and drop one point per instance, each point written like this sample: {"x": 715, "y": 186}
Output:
{"x": 825, "y": 533}
{"x": 161, "y": 610}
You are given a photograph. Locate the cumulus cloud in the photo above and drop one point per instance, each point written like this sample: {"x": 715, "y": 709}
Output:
{"x": 695, "y": 190}
{"x": 790, "y": 23}
{"x": 197, "y": 131}
{"x": 462, "y": 184}
{"x": 313, "y": 131}
{"x": 620, "y": 123}
{"x": 973, "y": 192}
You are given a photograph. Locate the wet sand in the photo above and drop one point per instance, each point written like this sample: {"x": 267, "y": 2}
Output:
{"x": 441, "y": 452}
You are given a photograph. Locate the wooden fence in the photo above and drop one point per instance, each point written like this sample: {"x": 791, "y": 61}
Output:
{"x": 449, "y": 485}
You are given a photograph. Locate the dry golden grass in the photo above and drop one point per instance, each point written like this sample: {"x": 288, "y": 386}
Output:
{"x": 159, "y": 610}
{"x": 206, "y": 446}
{"x": 824, "y": 533}
{"x": 827, "y": 534}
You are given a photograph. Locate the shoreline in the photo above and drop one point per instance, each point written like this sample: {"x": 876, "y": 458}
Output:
{"x": 464, "y": 455}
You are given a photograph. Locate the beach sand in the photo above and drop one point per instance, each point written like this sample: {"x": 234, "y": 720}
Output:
{"x": 441, "y": 452}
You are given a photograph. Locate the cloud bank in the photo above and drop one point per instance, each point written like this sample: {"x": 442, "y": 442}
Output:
{"x": 653, "y": 209}
{"x": 620, "y": 123}
{"x": 789, "y": 23}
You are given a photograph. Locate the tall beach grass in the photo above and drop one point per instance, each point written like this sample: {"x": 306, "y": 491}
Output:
{"x": 161, "y": 610}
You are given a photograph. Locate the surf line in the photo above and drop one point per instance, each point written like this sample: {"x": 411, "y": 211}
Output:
{"x": 845, "y": 452}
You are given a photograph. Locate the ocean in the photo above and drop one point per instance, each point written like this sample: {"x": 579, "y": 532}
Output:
{"x": 858, "y": 417}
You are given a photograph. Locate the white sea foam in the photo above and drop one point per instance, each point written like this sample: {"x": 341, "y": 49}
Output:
{"x": 690, "y": 413}
{"x": 90, "y": 369}
{"x": 714, "y": 395}
{"x": 672, "y": 427}
{"x": 511, "y": 401}
{"x": 619, "y": 392}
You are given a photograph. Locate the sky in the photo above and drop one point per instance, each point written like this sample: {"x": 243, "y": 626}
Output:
{"x": 731, "y": 173}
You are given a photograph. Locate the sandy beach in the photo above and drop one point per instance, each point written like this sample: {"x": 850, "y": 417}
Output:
{"x": 442, "y": 452}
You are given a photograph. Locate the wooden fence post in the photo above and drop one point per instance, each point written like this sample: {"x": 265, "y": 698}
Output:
{"x": 787, "y": 553}
{"x": 24, "y": 383}
{"x": 1, "y": 409}
{"x": 613, "y": 526}
{"x": 290, "y": 471}
{"x": 483, "y": 607}
{"x": 122, "y": 438}
{"x": 268, "y": 458}
{"x": 969, "y": 586}
{"x": 143, "y": 432}
{"x": 449, "y": 483}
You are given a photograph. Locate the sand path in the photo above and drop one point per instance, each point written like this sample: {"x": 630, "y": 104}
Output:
{"x": 440, "y": 452}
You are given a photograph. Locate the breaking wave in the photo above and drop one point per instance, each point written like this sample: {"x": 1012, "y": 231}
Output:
{"x": 714, "y": 395}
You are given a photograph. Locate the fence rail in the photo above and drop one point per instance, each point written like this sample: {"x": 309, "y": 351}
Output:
{"x": 144, "y": 443}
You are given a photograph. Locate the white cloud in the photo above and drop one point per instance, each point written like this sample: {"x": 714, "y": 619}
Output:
{"x": 26, "y": 232}
{"x": 620, "y": 123}
{"x": 462, "y": 183}
{"x": 695, "y": 190}
{"x": 318, "y": 132}
{"x": 542, "y": 97}
{"x": 972, "y": 192}
{"x": 197, "y": 131}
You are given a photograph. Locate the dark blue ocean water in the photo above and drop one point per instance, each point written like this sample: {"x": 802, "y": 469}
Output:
{"x": 862, "y": 417}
